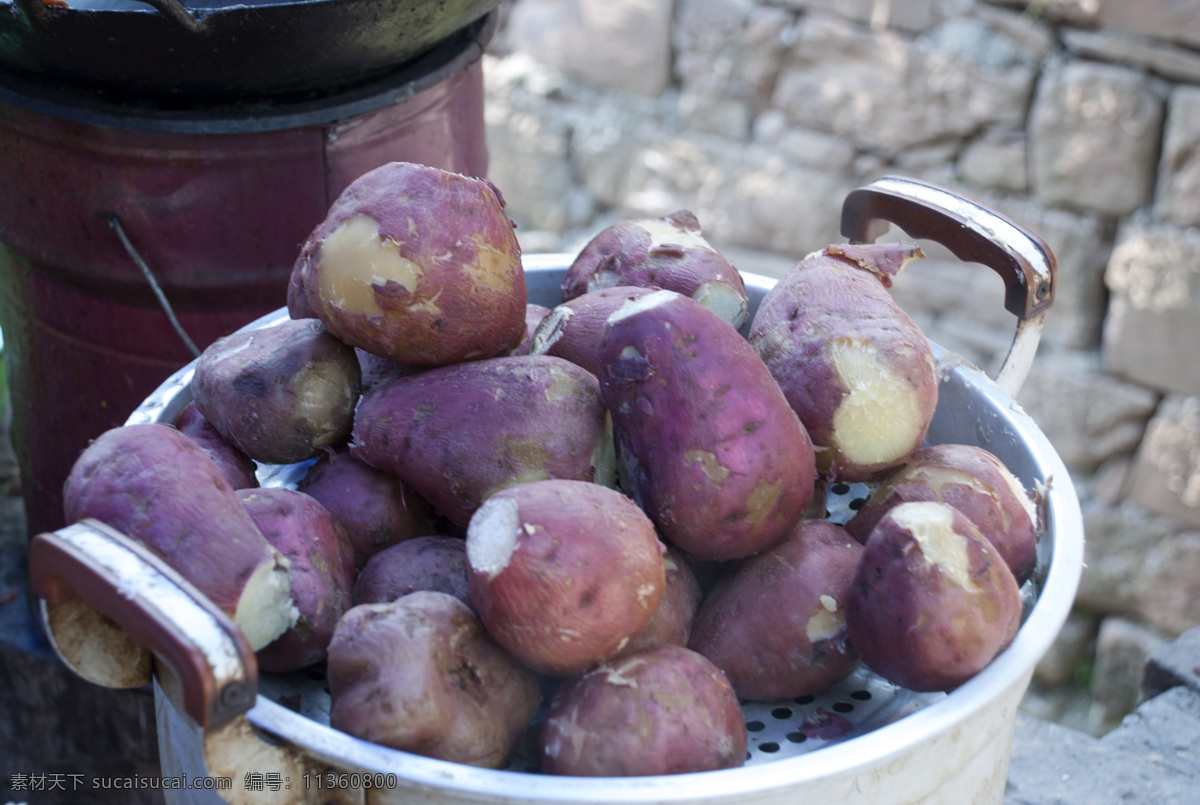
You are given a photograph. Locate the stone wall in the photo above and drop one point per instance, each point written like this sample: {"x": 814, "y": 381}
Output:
{"x": 1078, "y": 118}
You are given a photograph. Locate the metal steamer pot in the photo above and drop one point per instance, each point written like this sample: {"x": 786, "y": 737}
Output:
{"x": 269, "y": 735}
{"x": 188, "y": 51}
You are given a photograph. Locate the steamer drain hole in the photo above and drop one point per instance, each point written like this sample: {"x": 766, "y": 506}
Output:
{"x": 806, "y": 699}
{"x": 769, "y": 746}
{"x": 857, "y": 503}
{"x": 842, "y": 707}
{"x": 861, "y": 695}
{"x": 797, "y": 737}
{"x": 839, "y": 488}
{"x": 315, "y": 674}
{"x": 755, "y": 726}
{"x": 782, "y": 712}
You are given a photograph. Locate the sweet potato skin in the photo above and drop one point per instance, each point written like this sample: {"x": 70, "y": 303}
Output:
{"x": 775, "y": 622}
{"x": 929, "y": 613}
{"x": 706, "y": 441}
{"x": 418, "y": 265}
{"x": 972, "y": 480}
{"x": 574, "y": 329}
{"x": 322, "y": 563}
{"x": 236, "y": 466}
{"x": 280, "y": 394}
{"x": 375, "y": 369}
{"x": 157, "y": 486}
{"x": 667, "y": 253}
{"x": 665, "y": 710}
{"x": 375, "y": 507}
{"x": 431, "y": 562}
{"x": 563, "y": 573}
{"x": 421, "y": 675}
{"x": 459, "y": 433}
{"x": 834, "y": 301}
{"x": 671, "y": 623}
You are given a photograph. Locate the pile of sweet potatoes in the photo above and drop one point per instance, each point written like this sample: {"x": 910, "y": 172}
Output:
{"x": 598, "y": 527}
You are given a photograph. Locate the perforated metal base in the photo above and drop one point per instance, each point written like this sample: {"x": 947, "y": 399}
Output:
{"x": 862, "y": 702}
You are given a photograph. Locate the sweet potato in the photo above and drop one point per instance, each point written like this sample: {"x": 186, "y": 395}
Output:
{"x": 376, "y": 508}
{"x": 573, "y": 330}
{"x": 322, "y": 572}
{"x": 666, "y": 710}
{"x": 157, "y": 486}
{"x": 775, "y": 623}
{"x": 459, "y": 433}
{"x": 376, "y": 370}
{"x": 854, "y": 366}
{"x": 534, "y": 316}
{"x": 418, "y": 265}
{"x": 972, "y": 480}
{"x": 432, "y": 562}
{"x": 280, "y": 394}
{"x": 421, "y": 675}
{"x": 668, "y": 253}
{"x": 931, "y": 603}
{"x": 671, "y": 623}
{"x": 706, "y": 441}
{"x": 236, "y": 466}
{"x": 563, "y": 573}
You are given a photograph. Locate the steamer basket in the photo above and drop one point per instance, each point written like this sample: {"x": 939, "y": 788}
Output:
{"x": 864, "y": 741}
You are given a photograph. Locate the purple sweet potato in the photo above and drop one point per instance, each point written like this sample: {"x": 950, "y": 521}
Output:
{"x": 376, "y": 508}
{"x": 666, "y": 710}
{"x": 706, "y": 441}
{"x": 322, "y": 572}
{"x": 932, "y": 603}
{"x": 297, "y": 298}
{"x": 563, "y": 573}
{"x": 574, "y": 329}
{"x": 236, "y": 466}
{"x": 854, "y": 366}
{"x": 972, "y": 480}
{"x": 671, "y": 623}
{"x": 418, "y": 265}
{"x": 376, "y": 369}
{"x": 668, "y": 253}
{"x": 459, "y": 433}
{"x": 775, "y": 623}
{"x": 280, "y": 394}
{"x": 421, "y": 675}
{"x": 432, "y": 562}
{"x": 157, "y": 486}
{"x": 534, "y": 316}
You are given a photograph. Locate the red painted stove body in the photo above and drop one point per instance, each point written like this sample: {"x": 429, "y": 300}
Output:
{"x": 217, "y": 208}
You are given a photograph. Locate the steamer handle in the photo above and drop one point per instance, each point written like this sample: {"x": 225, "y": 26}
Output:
{"x": 973, "y": 233}
{"x": 155, "y": 610}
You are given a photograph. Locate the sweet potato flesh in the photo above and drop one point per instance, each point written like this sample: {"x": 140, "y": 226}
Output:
{"x": 322, "y": 398}
{"x": 932, "y": 526}
{"x": 495, "y": 528}
{"x": 880, "y": 419}
{"x": 664, "y": 232}
{"x": 265, "y": 609}
{"x": 354, "y": 260}
{"x": 640, "y": 304}
{"x": 825, "y": 621}
{"x": 723, "y": 299}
